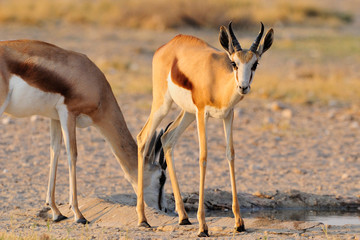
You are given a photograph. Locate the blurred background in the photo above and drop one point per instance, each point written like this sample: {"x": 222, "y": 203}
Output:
{"x": 314, "y": 59}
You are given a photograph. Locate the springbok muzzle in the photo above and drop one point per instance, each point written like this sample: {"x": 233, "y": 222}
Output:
{"x": 244, "y": 89}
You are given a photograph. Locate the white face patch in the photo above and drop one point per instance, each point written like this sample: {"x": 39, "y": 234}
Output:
{"x": 152, "y": 190}
{"x": 244, "y": 74}
{"x": 181, "y": 96}
{"x": 26, "y": 100}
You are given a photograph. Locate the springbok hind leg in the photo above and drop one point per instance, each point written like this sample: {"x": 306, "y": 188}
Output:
{"x": 156, "y": 116}
{"x": 168, "y": 140}
{"x": 228, "y": 121}
{"x": 55, "y": 145}
{"x": 68, "y": 125}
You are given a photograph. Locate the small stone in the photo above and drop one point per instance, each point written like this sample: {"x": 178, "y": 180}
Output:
{"x": 342, "y": 159}
{"x": 354, "y": 125}
{"x": 33, "y": 118}
{"x": 344, "y": 176}
{"x": 276, "y": 106}
{"x": 268, "y": 120}
{"x": 299, "y": 171}
{"x": 7, "y": 121}
{"x": 331, "y": 114}
{"x": 287, "y": 113}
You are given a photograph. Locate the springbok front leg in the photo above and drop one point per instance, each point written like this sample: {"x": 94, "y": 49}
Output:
{"x": 68, "y": 125}
{"x": 230, "y": 155}
{"x": 168, "y": 140}
{"x": 201, "y": 124}
{"x": 55, "y": 145}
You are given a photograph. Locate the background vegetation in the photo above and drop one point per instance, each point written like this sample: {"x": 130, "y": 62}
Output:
{"x": 163, "y": 14}
{"x": 313, "y": 60}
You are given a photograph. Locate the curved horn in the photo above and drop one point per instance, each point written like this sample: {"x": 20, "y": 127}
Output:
{"x": 255, "y": 44}
{"x": 234, "y": 41}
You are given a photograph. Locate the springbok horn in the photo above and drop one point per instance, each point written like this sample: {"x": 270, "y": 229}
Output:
{"x": 255, "y": 44}
{"x": 234, "y": 41}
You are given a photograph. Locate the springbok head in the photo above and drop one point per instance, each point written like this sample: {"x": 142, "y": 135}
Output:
{"x": 156, "y": 166}
{"x": 244, "y": 61}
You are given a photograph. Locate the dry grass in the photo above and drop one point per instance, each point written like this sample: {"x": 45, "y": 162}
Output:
{"x": 163, "y": 14}
{"x": 313, "y": 70}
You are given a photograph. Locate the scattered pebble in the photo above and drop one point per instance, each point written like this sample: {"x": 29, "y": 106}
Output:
{"x": 7, "y": 121}
{"x": 331, "y": 114}
{"x": 299, "y": 171}
{"x": 344, "y": 176}
{"x": 268, "y": 120}
{"x": 287, "y": 113}
{"x": 34, "y": 118}
{"x": 354, "y": 125}
{"x": 276, "y": 106}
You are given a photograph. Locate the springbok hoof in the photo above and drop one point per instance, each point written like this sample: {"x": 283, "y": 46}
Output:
{"x": 82, "y": 221}
{"x": 144, "y": 224}
{"x": 204, "y": 234}
{"x": 185, "y": 222}
{"x": 60, "y": 218}
{"x": 241, "y": 228}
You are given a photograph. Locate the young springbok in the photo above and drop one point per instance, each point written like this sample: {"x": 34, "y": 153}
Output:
{"x": 203, "y": 82}
{"x": 37, "y": 78}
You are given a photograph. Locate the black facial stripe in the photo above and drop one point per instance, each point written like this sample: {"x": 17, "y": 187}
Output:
{"x": 233, "y": 64}
{"x": 162, "y": 183}
{"x": 253, "y": 68}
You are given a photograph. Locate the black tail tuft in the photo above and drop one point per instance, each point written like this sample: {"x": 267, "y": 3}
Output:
{"x": 159, "y": 149}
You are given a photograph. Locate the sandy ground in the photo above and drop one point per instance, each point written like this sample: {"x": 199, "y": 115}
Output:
{"x": 287, "y": 156}
{"x": 298, "y": 156}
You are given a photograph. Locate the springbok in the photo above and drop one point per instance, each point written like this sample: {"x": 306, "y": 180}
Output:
{"x": 38, "y": 78}
{"x": 203, "y": 82}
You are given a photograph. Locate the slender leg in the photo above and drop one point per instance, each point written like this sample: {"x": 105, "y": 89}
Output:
{"x": 55, "y": 145}
{"x": 201, "y": 123}
{"x": 143, "y": 139}
{"x": 68, "y": 125}
{"x": 4, "y": 101}
{"x": 228, "y": 123}
{"x": 168, "y": 140}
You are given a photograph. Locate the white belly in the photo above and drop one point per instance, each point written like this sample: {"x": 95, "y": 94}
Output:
{"x": 181, "y": 96}
{"x": 26, "y": 100}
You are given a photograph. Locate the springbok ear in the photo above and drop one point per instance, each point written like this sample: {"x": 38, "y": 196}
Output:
{"x": 225, "y": 40}
{"x": 268, "y": 41}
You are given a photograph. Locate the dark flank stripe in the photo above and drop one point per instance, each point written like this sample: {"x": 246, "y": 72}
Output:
{"x": 40, "y": 77}
{"x": 179, "y": 77}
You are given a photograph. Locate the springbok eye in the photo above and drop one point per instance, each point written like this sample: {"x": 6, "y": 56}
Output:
{"x": 234, "y": 65}
{"x": 253, "y": 68}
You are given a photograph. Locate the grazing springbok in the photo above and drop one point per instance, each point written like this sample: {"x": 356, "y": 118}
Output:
{"x": 204, "y": 82}
{"x": 38, "y": 78}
